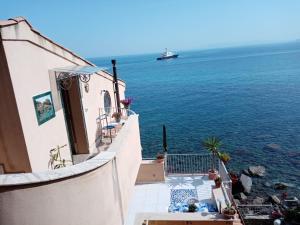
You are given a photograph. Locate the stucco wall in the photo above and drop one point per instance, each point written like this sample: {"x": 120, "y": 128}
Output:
{"x": 98, "y": 197}
{"x": 30, "y": 57}
{"x": 29, "y": 69}
{"x": 93, "y": 100}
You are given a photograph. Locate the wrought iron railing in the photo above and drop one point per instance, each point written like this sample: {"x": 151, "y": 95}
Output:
{"x": 198, "y": 164}
{"x": 227, "y": 183}
{"x": 110, "y": 111}
{"x": 188, "y": 163}
{"x": 247, "y": 211}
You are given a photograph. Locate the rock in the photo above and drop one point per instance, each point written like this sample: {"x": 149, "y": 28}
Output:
{"x": 242, "y": 196}
{"x": 280, "y": 186}
{"x": 246, "y": 182}
{"x": 246, "y": 172}
{"x": 275, "y": 199}
{"x": 237, "y": 201}
{"x": 267, "y": 184}
{"x": 294, "y": 154}
{"x": 265, "y": 136}
{"x": 272, "y": 147}
{"x": 257, "y": 171}
{"x": 258, "y": 201}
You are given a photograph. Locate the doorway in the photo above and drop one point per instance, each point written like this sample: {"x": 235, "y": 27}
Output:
{"x": 74, "y": 117}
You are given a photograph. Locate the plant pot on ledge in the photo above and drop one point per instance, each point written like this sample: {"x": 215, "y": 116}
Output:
{"x": 229, "y": 212}
{"x": 160, "y": 158}
{"x": 218, "y": 182}
{"x": 212, "y": 174}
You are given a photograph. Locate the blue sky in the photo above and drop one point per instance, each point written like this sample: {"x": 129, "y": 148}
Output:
{"x": 106, "y": 28}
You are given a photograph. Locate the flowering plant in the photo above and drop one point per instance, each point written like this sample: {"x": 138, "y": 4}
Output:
{"x": 126, "y": 102}
{"x": 116, "y": 115}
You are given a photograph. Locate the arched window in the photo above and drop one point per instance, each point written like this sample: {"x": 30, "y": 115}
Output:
{"x": 107, "y": 102}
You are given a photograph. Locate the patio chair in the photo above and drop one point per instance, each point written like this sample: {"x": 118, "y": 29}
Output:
{"x": 106, "y": 126}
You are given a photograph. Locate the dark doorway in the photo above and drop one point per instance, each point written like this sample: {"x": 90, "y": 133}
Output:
{"x": 75, "y": 122}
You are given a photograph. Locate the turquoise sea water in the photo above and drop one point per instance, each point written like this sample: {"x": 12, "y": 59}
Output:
{"x": 247, "y": 96}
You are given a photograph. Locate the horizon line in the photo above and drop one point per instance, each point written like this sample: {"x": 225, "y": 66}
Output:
{"x": 199, "y": 49}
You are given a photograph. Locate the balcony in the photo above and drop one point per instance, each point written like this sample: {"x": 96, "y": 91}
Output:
{"x": 109, "y": 123}
{"x": 163, "y": 191}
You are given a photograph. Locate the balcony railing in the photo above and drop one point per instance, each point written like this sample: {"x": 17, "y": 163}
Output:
{"x": 227, "y": 183}
{"x": 189, "y": 163}
{"x": 198, "y": 164}
{"x": 109, "y": 122}
{"x": 250, "y": 211}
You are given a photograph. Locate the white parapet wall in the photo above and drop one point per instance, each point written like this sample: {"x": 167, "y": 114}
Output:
{"x": 95, "y": 192}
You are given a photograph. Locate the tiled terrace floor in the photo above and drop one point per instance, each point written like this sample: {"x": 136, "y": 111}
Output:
{"x": 155, "y": 197}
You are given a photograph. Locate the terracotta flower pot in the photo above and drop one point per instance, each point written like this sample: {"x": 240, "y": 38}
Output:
{"x": 160, "y": 160}
{"x": 229, "y": 214}
{"x": 234, "y": 178}
{"x": 218, "y": 184}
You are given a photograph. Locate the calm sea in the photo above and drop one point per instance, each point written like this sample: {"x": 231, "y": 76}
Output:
{"x": 247, "y": 96}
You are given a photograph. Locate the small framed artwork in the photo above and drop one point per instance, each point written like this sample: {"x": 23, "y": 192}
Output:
{"x": 44, "y": 108}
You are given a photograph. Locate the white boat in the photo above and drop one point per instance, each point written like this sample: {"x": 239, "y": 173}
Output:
{"x": 167, "y": 55}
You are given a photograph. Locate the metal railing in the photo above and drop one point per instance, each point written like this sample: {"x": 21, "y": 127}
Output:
{"x": 225, "y": 179}
{"x": 198, "y": 164}
{"x": 255, "y": 210}
{"x": 108, "y": 125}
{"x": 188, "y": 163}
{"x": 110, "y": 111}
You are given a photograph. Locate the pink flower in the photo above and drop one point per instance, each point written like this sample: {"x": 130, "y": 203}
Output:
{"x": 126, "y": 102}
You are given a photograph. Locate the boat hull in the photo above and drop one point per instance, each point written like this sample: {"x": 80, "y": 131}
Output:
{"x": 168, "y": 57}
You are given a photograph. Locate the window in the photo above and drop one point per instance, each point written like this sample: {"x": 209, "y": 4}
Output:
{"x": 107, "y": 102}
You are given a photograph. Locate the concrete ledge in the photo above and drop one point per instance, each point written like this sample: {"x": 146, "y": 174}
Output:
{"x": 94, "y": 192}
{"x": 182, "y": 218}
{"x": 151, "y": 171}
{"x": 86, "y": 166}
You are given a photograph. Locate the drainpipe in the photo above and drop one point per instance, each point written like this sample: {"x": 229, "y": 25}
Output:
{"x": 116, "y": 85}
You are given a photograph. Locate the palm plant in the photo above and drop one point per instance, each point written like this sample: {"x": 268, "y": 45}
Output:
{"x": 212, "y": 144}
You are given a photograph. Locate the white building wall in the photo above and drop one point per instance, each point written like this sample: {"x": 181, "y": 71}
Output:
{"x": 29, "y": 65}
{"x": 29, "y": 69}
{"x": 93, "y": 100}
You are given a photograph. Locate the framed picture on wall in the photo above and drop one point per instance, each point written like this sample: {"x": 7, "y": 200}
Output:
{"x": 44, "y": 108}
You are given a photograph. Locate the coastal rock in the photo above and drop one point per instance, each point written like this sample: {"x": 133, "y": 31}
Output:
{"x": 257, "y": 171}
{"x": 267, "y": 184}
{"x": 237, "y": 201}
{"x": 246, "y": 182}
{"x": 280, "y": 186}
{"x": 293, "y": 154}
{"x": 242, "y": 196}
{"x": 264, "y": 136}
{"x": 246, "y": 172}
{"x": 258, "y": 201}
{"x": 272, "y": 147}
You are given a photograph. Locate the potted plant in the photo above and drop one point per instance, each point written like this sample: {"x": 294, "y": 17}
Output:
{"x": 224, "y": 157}
{"x": 229, "y": 212}
{"x": 212, "y": 144}
{"x": 192, "y": 207}
{"x": 117, "y": 116}
{"x": 234, "y": 178}
{"x": 218, "y": 182}
{"x": 126, "y": 102}
{"x": 160, "y": 157}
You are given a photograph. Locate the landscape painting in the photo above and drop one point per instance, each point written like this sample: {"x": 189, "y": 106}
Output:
{"x": 44, "y": 109}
